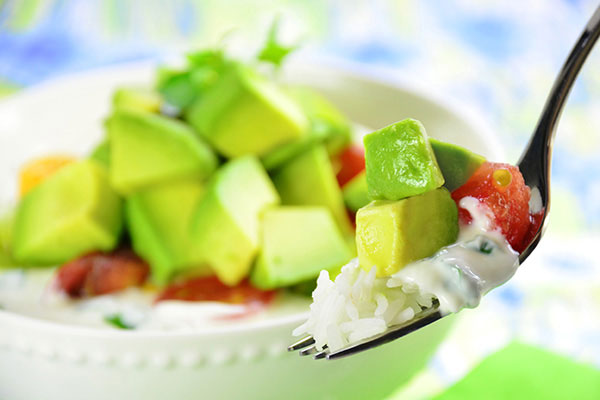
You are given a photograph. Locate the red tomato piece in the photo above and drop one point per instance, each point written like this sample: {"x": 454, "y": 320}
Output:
{"x": 352, "y": 162}
{"x": 212, "y": 289}
{"x": 102, "y": 273}
{"x": 502, "y": 189}
{"x": 70, "y": 278}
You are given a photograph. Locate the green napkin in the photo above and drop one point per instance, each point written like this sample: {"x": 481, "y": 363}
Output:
{"x": 521, "y": 371}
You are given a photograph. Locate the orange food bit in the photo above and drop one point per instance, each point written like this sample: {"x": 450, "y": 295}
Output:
{"x": 36, "y": 171}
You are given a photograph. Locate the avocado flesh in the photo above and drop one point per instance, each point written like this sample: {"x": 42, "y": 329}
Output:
{"x": 288, "y": 151}
{"x": 137, "y": 98}
{"x": 309, "y": 180}
{"x": 327, "y": 125}
{"x": 73, "y": 212}
{"x": 457, "y": 163}
{"x": 158, "y": 220}
{"x": 147, "y": 149}
{"x": 356, "y": 193}
{"x": 297, "y": 243}
{"x": 225, "y": 225}
{"x": 6, "y": 232}
{"x": 400, "y": 162}
{"x": 391, "y": 234}
{"x": 102, "y": 153}
{"x": 325, "y": 117}
{"x": 243, "y": 113}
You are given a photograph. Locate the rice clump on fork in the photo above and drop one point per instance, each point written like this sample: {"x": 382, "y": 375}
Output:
{"x": 358, "y": 305}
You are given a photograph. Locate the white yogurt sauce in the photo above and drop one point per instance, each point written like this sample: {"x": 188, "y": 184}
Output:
{"x": 460, "y": 274}
{"x": 28, "y": 292}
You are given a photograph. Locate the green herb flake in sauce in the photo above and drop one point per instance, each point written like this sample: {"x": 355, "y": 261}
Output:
{"x": 118, "y": 321}
{"x": 486, "y": 247}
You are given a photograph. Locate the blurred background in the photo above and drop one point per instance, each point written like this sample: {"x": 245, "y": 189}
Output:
{"x": 497, "y": 59}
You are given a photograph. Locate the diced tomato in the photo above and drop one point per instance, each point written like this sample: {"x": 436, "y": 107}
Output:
{"x": 502, "y": 189}
{"x": 70, "y": 278}
{"x": 102, "y": 273}
{"x": 352, "y": 162}
{"x": 211, "y": 289}
{"x": 36, "y": 171}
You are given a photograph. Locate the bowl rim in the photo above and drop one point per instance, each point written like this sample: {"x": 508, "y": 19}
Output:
{"x": 353, "y": 70}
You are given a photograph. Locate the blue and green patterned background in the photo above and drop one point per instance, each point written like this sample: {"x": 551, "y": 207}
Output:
{"x": 497, "y": 57}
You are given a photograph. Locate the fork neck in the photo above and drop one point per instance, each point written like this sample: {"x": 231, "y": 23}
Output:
{"x": 535, "y": 160}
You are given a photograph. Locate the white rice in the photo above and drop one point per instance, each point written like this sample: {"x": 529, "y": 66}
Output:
{"x": 357, "y": 305}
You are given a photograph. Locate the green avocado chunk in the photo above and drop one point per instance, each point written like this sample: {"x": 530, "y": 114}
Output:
{"x": 325, "y": 118}
{"x": 225, "y": 226}
{"x": 297, "y": 243}
{"x": 73, "y": 212}
{"x": 146, "y": 149}
{"x": 400, "y": 162}
{"x": 137, "y": 98}
{"x": 356, "y": 192}
{"x": 282, "y": 154}
{"x": 391, "y": 234}
{"x": 158, "y": 219}
{"x": 244, "y": 113}
{"x": 457, "y": 163}
{"x": 102, "y": 153}
{"x": 6, "y": 233}
{"x": 327, "y": 125}
{"x": 307, "y": 180}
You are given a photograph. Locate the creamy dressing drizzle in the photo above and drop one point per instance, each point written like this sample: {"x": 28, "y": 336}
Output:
{"x": 460, "y": 274}
{"x": 29, "y": 292}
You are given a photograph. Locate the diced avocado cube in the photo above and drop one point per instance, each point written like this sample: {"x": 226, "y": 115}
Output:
{"x": 158, "y": 219}
{"x": 137, "y": 98}
{"x": 282, "y": 154}
{"x": 6, "y": 233}
{"x": 400, "y": 162}
{"x": 457, "y": 163}
{"x": 356, "y": 193}
{"x": 297, "y": 243}
{"x": 325, "y": 118}
{"x": 309, "y": 180}
{"x": 102, "y": 153}
{"x": 391, "y": 234}
{"x": 146, "y": 149}
{"x": 226, "y": 223}
{"x": 327, "y": 125}
{"x": 244, "y": 113}
{"x": 73, "y": 212}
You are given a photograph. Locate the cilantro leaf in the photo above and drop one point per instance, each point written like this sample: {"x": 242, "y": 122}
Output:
{"x": 273, "y": 51}
{"x": 180, "y": 88}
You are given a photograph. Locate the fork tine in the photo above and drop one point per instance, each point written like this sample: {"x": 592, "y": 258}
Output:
{"x": 322, "y": 354}
{"x": 302, "y": 343}
{"x": 422, "y": 319}
{"x": 309, "y": 351}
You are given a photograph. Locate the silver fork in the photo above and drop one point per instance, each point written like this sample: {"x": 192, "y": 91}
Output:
{"x": 535, "y": 167}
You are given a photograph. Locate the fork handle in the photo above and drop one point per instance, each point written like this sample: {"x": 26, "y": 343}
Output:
{"x": 538, "y": 152}
{"x": 535, "y": 160}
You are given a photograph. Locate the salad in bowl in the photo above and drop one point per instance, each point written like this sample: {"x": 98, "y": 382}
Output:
{"x": 181, "y": 242}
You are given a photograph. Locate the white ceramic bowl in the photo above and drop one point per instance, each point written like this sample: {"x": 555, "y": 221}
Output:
{"x": 45, "y": 360}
